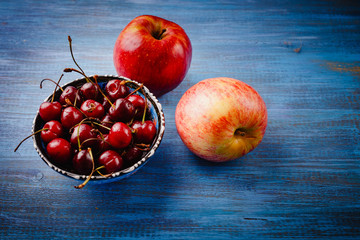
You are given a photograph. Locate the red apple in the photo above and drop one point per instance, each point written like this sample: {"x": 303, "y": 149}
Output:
{"x": 221, "y": 119}
{"x": 153, "y": 51}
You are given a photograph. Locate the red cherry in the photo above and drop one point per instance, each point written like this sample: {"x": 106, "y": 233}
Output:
{"x": 120, "y": 135}
{"x": 144, "y": 131}
{"x": 139, "y": 104}
{"x": 90, "y": 91}
{"x": 111, "y": 160}
{"x": 83, "y": 132}
{"x": 71, "y": 93}
{"x": 107, "y": 123}
{"x": 132, "y": 155}
{"x": 59, "y": 151}
{"x": 70, "y": 116}
{"x": 116, "y": 89}
{"x": 122, "y": 111}
{"x": 50, "y": 111}
{"x": 83, "y": 162}
{"x": 55, "y": 130}
{"x": 103, "y": 143}
{"x": 106, "y": 104}
{"x": 92, "y": 108}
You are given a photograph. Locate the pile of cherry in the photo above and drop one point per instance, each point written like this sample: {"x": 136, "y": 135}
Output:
{"x": 98, "y": 128}
{"x": 91, "y": 130}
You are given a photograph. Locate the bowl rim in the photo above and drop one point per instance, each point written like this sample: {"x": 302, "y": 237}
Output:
{"x": 124, "y": 172}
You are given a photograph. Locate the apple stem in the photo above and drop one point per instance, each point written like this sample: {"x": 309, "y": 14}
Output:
{"x": 159, "y": 35}
{"x": 43, "y": 129}
{"x": 240, "y": 132}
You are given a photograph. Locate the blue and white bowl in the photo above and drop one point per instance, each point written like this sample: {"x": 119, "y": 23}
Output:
{"x": 157, "y": 115}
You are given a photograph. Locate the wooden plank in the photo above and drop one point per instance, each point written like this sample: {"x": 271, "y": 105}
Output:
{"x": 303, "y": 180}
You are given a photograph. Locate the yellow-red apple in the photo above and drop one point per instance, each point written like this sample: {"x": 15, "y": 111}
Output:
{"x": 153, "y": 51}
{"x": 221, "y": 119}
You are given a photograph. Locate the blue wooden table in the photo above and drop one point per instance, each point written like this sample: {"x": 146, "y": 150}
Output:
{"x": 301, "y": 182}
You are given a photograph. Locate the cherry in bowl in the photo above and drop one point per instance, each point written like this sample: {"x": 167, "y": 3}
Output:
{"x": 92, "y": 107}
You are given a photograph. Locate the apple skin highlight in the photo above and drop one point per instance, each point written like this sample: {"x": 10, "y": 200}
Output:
{"x": 221, "y": 119}
{"x": 153, "y": 51}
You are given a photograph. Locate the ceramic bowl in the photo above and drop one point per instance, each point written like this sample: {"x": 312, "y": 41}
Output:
{"x": 157, "y": 116}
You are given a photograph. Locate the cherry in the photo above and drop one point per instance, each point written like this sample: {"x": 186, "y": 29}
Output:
{"x": 103, "y": 144}
{"x": 132, "y": 155}
{"x": 81, "y": 133}
{"x": 59, "y": 151}
{"x": 120, "y": 135}
{"x": 111, "y": 160}
{"x": 50, "y": 111}
{"x": 144, "y": 131}
{"x": 54, "y": 130}
{"x": 70, "y": 93}
{"x": 71, "y": 116}
{"x": 116, "y": 89}
{"x": 139, "y": 104}
{"x": 122, "y": 111}
{"x": 90, "y": 91}
{"x": 106, "y": 104}
{"x": 106, "y": 124}
{"x": 83, "y": 162}
{"x": 92, "y": 108}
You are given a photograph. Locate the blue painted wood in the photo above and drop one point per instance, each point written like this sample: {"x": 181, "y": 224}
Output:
{"x": 303, "y": 180}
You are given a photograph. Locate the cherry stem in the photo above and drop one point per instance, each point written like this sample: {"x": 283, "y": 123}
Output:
{"x": 78, "y": 133}
{"x": 143, "y": 147}
{"x": 137, "y": 89}
{"x": 92, "y": 171}
{"x": 89, "y": 80}
{"x": 88, "y": 140}
{"x": 73, "y": 105}
{"x": 101, "y": 167}
{"x": 145, "y": 108}
{"x": 57, "y": 85}
{"x": 72, "y": 55}
{"x": 101, "y": 125}
{"x": 43, "y": 129}
{"x": 123, "y": 82}
{"x": 107, "y": 99}
{"x": 76, "y": 97}
{"x": 78, "y": 130}
{"x": 75, "y": 70}
{"x": 88, "y": 120}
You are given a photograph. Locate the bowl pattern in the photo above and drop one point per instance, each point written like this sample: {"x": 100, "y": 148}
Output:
{"x": 157, "y": 116}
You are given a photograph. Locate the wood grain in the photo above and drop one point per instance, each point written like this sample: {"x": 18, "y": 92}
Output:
{"x": 303, "y": 180}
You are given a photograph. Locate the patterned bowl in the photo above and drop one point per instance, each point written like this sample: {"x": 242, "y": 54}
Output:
{"x": 157, "y": 116}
